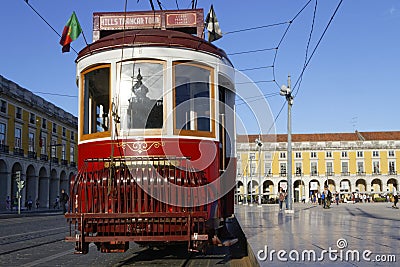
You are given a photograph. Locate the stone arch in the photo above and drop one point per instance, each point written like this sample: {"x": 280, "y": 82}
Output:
{"x": 4, "y": 183}
{"x": 314, "y": 187}
{"x": 361, "y": 185}
{"x": 31, "y": 183}
{"x": 43, "y": 189}
{"x": 54, "y": 187}
{"x": 64, "y": 181}
{"x": 376, "y": 185}
{"x": 345, "y": 186}
{"x": 392, "y": 184}
{"x": 299, "y": 190}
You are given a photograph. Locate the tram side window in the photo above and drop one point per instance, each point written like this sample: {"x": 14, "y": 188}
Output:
{"x": 192, "y": 98}
{"x": 142, "y": 87}
{"x": 96, "y": 95}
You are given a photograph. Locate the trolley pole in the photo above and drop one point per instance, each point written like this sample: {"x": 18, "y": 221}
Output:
{"x": 286, "y": 91}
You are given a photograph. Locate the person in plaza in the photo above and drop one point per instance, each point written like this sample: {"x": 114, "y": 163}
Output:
{"x": 329, "y": 198}
{"x": 395, "y": 199}
{"x": 337, "y": 198}
{"x": 64, "y": 200}
{"x": 37, "y": 203}
{"x": 30, "y": 203}
{"x": 281, "y": 197}
{"x": 57, "y": 203}
{"x": 323, "y": 199}
{"x": 8, "y": 203}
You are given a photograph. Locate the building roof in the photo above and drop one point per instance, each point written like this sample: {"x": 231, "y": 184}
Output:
{"x": 152, "y": 37}
{"x": 323, "y": 137}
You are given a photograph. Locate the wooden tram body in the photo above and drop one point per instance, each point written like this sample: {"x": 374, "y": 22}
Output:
{"x": 156, "y": 136}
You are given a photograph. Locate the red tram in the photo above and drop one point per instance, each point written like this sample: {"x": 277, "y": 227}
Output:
{"x": 156, "y": 134}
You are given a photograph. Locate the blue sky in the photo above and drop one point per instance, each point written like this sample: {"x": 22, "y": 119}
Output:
{"x": 350, "y": 82}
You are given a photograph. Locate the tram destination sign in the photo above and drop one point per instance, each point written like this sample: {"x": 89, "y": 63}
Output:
{"x": 160, "y": 19}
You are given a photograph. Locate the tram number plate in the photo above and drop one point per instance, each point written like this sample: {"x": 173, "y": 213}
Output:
{"x": 196, "y": 236}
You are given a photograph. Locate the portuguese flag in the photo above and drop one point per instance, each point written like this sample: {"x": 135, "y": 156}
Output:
{"x": 71, "y": 31}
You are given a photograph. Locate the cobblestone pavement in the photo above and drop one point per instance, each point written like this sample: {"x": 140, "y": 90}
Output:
{"x": 361, "y": 234}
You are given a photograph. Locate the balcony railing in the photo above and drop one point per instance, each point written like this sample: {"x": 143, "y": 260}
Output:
{"x": 314, "y": 173}
{"x": 345, "y": 173}
{"x": 18, "y": 151}
{"x": 4, "y": 149}
{"x": 361, "y": 173}
{"x": 54, "y": 160}
{"x": 32, "y": 154}
{"x": 330, "y": 173}
{"x": 283, "y": 174}
{"x": 376, "y": 172}
{"x": 72, "y": 164}
{"x": 298, "y": 174}
{"x": 392, "y": 172}
{"x": 64, "y": 162}
{"x": 44, "y": 157}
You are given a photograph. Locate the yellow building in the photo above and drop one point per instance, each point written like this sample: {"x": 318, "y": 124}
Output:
{"x": 38, "y": 144}
{"x": 359, "y": 163}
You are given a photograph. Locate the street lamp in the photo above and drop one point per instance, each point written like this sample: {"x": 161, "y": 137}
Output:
{"x": 260, "y": 187}
{"x": 286, "y": 92}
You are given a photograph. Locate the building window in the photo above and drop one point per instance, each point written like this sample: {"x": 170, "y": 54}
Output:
{"x": 72, "y": 135}
{"x": 252, "y": 156}
{"x": 283, "y": 169}
{"x": 267, "y": 168}
{"x": 54, "y": 127}
{"x": 239, "y": 168}
{"x": 375, "y": 153}
{"x": 2, "y": 134}
{"x": 391, "y": 153}
{"x": 18, "y": 113}
{"x": 63, "y": 152}
{"x": 268, "y": 155}
{"x": 252, "y": 168}
{"x": 3, "y": 106}
{"x": 375, "y": 165}
{"x": 282, "y": 155}
{"x": 345, "y": 168}
{"x": 360, "y": 154}
{"x": 31, "y": 142}
{"x": 329, "y": 168}
{"x": 360, "y": 168}
{"x": 32, "y": 118}
{"x": 44, "y": 123}
{"x": 64, "y": 131}
{"x": 71, "y": 154}
{"x": 314, "y": 169}
{"x": 313, "y": 155}
{"x": 297, "y": 155}
{"x": 299, "y": 169}
{"x": 18, "y": 141}
{"x": 344, "y": 154}
{"x": 43, "y": 150}
{"x": 329, "y": 154}
{"x": 392, "y": 167}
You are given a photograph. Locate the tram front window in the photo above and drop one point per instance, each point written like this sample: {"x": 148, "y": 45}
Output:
{"x": 192, "y": 98}
{"x": 142, "y": 95}
{"x": 96, "y": 98}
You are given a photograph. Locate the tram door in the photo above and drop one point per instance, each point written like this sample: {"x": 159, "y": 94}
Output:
{"x": 227, "y": 161}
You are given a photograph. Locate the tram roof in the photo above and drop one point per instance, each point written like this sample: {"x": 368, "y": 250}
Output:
{"x": 151, "y": 38}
